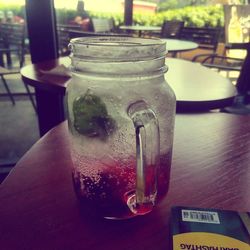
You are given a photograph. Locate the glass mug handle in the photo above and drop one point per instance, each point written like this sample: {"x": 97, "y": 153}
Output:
{"x": 147, "y": 157}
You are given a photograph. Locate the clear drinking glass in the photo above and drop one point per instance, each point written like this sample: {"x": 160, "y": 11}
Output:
{"x": 121, "y": 118}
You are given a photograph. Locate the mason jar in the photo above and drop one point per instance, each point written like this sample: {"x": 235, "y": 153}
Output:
{"x": 121, "y": 115}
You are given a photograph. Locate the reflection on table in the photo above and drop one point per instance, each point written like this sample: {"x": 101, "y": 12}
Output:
{"x": 196, "y": 88}
{"x": 39, "y": 209}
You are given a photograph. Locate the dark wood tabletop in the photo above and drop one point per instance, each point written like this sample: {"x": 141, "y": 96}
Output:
{"x": 34, "y": 75}
{"x": 206, "y": 86}
{"x": 39, "y": 210}
{"x": 196, "y": 88}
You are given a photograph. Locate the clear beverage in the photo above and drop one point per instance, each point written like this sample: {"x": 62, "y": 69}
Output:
{"x": 121, "y": 118}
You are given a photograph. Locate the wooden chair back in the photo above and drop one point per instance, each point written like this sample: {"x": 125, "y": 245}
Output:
{"x": 63, "y": 34}
{"x": 102, "y": 25}
{"x": 207, "y": 38}
{"x": 13, "y": 39}
{"x": 171, "y": 29}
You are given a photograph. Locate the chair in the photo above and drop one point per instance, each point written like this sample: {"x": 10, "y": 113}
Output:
{"x": 224, "y": 63}
{"x": 102, "y": 25}
{"x": 13, "y": 37}
{"x": 207, "y": 38}
{"x": 171, "y": 29}
{"x": 64, "y": 38}
{"x": 67, "y": 32}
{"x": 63, "y": 41}
{"x": 77, "y": 33}
{"x": 228, "y": 64}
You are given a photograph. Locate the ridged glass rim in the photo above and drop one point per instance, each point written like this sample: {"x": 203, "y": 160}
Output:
{"x": 116, "y": 41}
{"x": 110, "y": 48}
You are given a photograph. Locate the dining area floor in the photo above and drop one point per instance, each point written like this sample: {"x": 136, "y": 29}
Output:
{"x": 19, "y": 127}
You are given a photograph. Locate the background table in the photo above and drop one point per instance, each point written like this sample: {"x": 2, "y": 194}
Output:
{"x": 176, "y": 45}
{"x": 39, "y": 210}
{"x": 196, "y": 88}
{"x": 140, "y": 28}
{"x": 49, "y": 89}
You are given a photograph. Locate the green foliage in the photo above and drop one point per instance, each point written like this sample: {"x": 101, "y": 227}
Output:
{"x": 118, "y": 17}
{"x": 64, "y": 16}
{"x": 174, "y": 4}
{"x": 167, "y": 5}
{"x": 197, "y": 16}
{"x": 151, "y": 1}
{"x": 17, "y": 10}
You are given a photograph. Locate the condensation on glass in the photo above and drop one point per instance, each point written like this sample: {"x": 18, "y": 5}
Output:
{"x": 121, "y": 120}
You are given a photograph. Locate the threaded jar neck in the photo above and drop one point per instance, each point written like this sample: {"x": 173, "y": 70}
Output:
{"x": 117, "y": 56}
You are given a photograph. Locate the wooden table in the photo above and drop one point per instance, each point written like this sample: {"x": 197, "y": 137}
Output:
{"x": 39, "y": 209}
{"x": 139, "y": 28}
{"x": 176, "y": 45}
{"x": 50, "y": 90}
{"x": 196, "y": 88}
